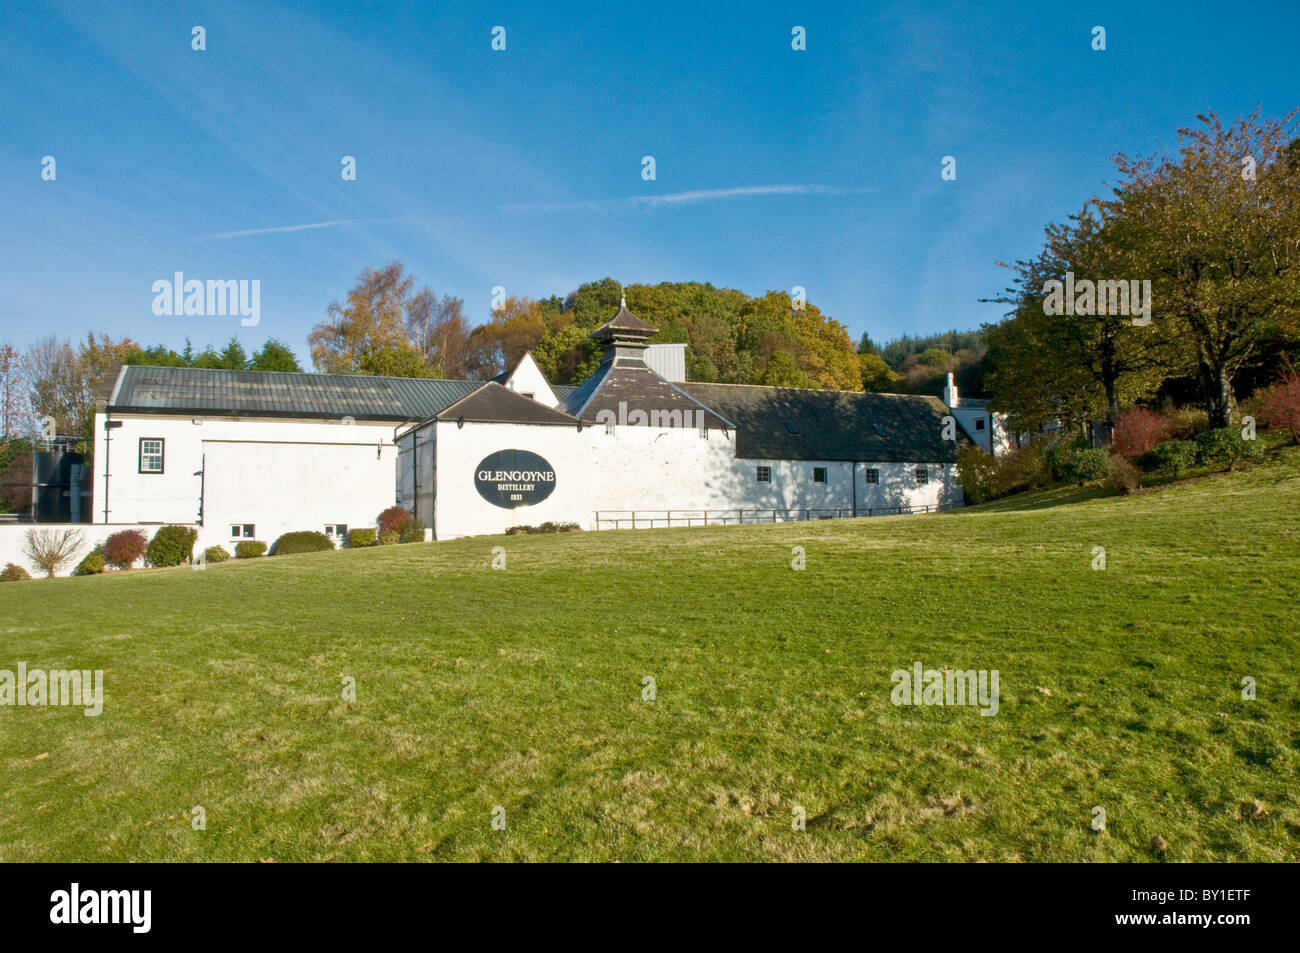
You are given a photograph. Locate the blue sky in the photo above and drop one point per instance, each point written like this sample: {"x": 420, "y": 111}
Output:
{"x": 522, "y": 168}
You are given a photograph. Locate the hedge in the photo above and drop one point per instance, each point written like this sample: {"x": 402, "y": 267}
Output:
{"x": 123, "y": 548}
{"x": 412, "y": 532}
{"x": 215, "y": 554}
{"x": 92, "y": 564}
{"x": 303, "y": 541}
{"x": 393, "y": 520}
{"x": 172, "y": 545}
{"x": 14, "y": 573}
{"x": 249, "y": 549}
{"x": 361, "y": 537}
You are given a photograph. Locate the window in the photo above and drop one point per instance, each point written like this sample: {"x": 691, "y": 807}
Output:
{"x": 151, "y": 455}
{"x": 242, "y": 531}
{"x": 871, "y": 476}
{"x": 819, "y": 474}
{"x": 922, "y": 476}
{"x": 764, "y": 474}
{"x": 336, "y": 531}
{"x": 979, "y": 424}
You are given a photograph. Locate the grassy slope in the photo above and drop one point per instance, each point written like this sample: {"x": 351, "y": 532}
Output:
{"x": 522, "y": 688}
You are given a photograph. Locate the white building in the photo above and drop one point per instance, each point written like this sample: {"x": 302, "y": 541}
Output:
{"x": 252, "y": 455}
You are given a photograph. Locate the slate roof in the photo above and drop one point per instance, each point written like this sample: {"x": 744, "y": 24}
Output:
{"x": 494, "y": 403}
{"x": 189, "y": 391}
{"x": 630, "y": 381}
{"x": 792, "y": 423}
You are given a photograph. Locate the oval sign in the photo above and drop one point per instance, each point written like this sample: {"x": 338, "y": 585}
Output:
{"x": 513, "y": 478}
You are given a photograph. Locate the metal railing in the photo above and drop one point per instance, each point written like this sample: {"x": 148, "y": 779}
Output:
{"x": 651, "y": 519}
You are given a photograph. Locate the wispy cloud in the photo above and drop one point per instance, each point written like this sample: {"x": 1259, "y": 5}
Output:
{"x": 672, "y": 199}
{"x": 277, "y": 229}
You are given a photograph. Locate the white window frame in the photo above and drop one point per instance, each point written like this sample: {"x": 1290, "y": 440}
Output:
{"x": 160, "y": 455}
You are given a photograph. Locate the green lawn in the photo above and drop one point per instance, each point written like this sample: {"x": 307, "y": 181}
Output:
{"x": 523, "y": 688}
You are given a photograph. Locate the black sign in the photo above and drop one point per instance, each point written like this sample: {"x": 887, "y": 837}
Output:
{"x": 512, "y": 478}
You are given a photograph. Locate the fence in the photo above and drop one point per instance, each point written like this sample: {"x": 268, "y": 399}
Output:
{"x": 651, "y": 519}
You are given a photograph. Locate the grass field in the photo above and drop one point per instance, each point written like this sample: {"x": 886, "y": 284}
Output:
{"x": 478, "y": 688}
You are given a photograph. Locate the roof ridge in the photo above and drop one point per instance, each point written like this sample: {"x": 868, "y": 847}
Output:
{"x": 811, "y": 390}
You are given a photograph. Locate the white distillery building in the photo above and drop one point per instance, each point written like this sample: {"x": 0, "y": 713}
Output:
{"x": 252, "y": 455}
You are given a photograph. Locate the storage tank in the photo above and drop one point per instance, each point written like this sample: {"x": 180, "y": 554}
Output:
{"x": 57, "y": 479}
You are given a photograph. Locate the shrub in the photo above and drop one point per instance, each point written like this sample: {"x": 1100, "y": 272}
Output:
{"x": 123, "y": 548}
{"x": 389, "y": 538}
{"x": 14, "y": 573}
{"x": 172, "y": 545}
{"x": 249, "y": 549}
{"x": 393, "y": 520}
{"x": 1086, "y": 465}
{"x": 977, "y": 472}
{"x": 412, "y": 532}
{"x": 1122, "y": 476}
{"x": 361, "y": 537}
{"x": 303, "y": 541}
{"x": 51, "y": 549}
{"x": 92, "y": 564}
{"x": 1281, "y": 404}
{"x": 1226, "y": 444}
{"x": 1188, "y": 422}
{"x": 1138, "y": 431}
{"x": 1023, "y": 469}
{"x": 1172, "y": 456}
{"x": 215, "y": 554}
{"x": 547, "y": 527}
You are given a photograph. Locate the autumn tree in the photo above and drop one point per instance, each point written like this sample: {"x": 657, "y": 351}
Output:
{"x": 1217, "y": 230}
{"x": 374, "y": 320}
{"x": 14, "y": 418}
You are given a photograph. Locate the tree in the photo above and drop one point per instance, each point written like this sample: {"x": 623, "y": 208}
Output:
{"x": 374, "y": 320}
{"x": 275, "y": 355}
{"x": 233, "y": 356}
{"x": 516, "y": 327}
{"x": 877, "y": 376}
{"x": 13, "y": 414}
{"x": 1123, "y": 361}
{"x": 1220, "y": 238}
{"x": 781, "y": 371}
{"x": 54, "y": 386}
{"x": 394, "y": 362}
{"x": 441, "y": 334}
{"x": 51, "y": 550}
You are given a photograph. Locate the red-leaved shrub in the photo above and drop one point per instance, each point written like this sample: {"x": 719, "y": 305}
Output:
{"x": 1281, "y": 403}
{"x": 393, "y": 520}
{"x": 125, "y": 547}
{"x": 1138, "y": 431}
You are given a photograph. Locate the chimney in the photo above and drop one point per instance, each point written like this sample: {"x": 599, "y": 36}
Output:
{"x": 950, "y": 393}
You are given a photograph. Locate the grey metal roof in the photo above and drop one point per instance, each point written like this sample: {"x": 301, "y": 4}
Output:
{"x": 792, "y": 423}
{"x": 196, "y": 391}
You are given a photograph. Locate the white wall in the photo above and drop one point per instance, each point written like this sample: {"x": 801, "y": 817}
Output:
{"x": 459, "y": 509}
{"x": 280, "y": 475}
{"x": 13, "y": 539}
